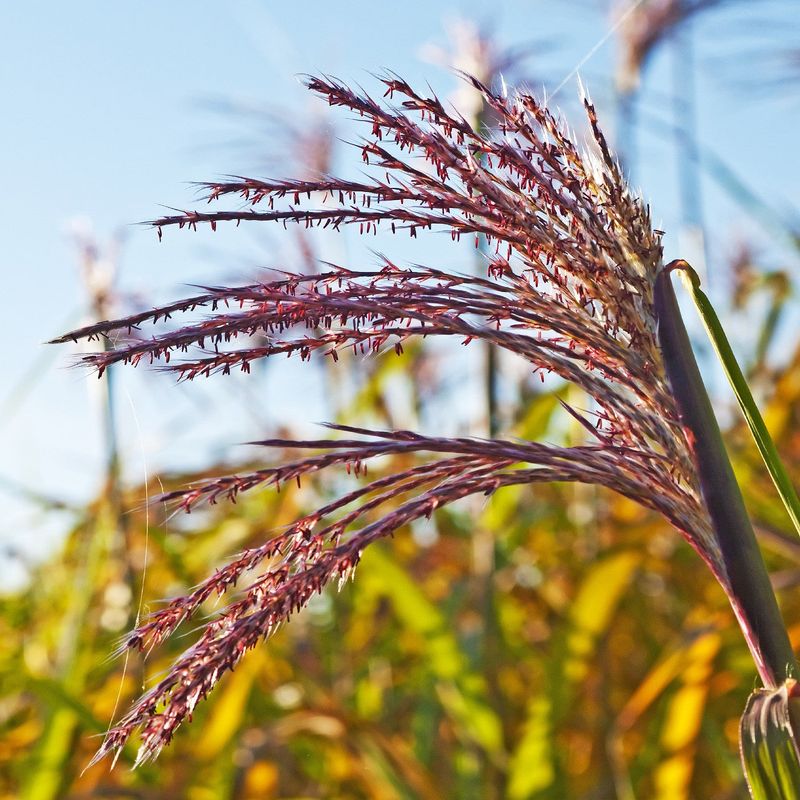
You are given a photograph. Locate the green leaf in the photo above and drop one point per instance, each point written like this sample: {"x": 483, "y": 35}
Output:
{"x": 533, "y": 764}
{"x": 768, "y": 743}
{"x": 462, "y": 692}
{"x": 755, "y": 421}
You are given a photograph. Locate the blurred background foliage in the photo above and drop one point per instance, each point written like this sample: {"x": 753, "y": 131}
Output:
{"x": 548, "y": 642}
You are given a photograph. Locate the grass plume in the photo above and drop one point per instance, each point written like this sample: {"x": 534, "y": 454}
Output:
{"x": 573, "y": 261}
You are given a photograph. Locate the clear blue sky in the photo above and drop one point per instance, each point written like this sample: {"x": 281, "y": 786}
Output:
{"x": 106, "y": 115}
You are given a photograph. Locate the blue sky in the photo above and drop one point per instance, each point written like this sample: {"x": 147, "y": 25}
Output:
{"x": 108, "y": 113}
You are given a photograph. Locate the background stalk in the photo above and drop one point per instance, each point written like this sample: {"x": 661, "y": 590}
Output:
{"x": 747, "y": 581}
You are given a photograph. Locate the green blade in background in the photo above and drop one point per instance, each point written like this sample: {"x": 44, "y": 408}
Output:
{"x": 533, "y": 766}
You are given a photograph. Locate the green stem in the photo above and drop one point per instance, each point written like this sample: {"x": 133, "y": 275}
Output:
{"x": 769, "y": 453}
{"x": 748, "y": 586}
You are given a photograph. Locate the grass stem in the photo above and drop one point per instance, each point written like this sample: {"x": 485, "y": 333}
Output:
{"x": 748, "y": 585}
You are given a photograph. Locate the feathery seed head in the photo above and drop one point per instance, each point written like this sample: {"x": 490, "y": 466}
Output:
{"x": 572, "y": 266}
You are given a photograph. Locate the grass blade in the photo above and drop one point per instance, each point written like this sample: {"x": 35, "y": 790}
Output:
{"x": 746, "y": 580}
{"x": 764, "y": 442}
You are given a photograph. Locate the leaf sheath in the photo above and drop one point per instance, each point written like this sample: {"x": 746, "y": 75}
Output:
{"x": 748, "y": 585}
